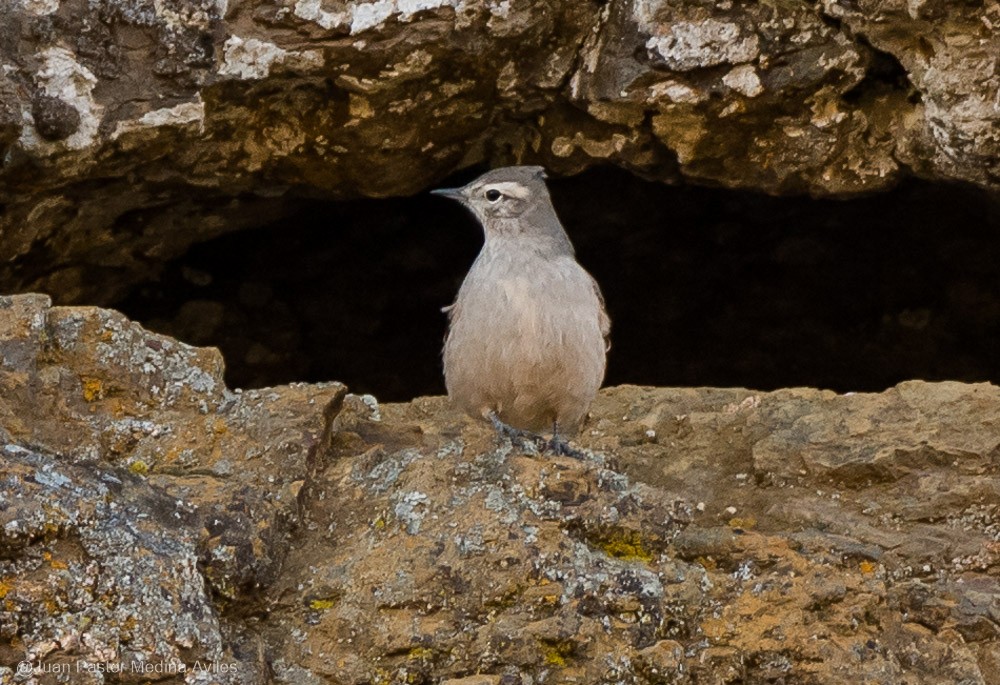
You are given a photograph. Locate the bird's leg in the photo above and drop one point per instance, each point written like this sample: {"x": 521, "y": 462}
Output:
{"x": 559, "y": 446}
{"x": 518, "y": 437}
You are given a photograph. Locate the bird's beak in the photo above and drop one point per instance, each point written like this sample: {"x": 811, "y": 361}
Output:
{"x": 451, "y": 193}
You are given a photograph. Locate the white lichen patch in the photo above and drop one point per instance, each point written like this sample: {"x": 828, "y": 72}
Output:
{"x": 197, "y": 14}
{"x": 689, "y": 45}
{"x": 407, "y": 8}
{"x": 368, "y": 15}
{"x": 372, "y": 404}
{"x": 411, "y": 508}
{"x": 179, "y": 115}
{"x": 312, "y": 10}
{"x": 62, "y": 77}
{"x": 362, "y": 16}
{"x": 40, "y": 7}
{"x": 743, "y": 79}
{"x": 251, "y": 58}
{"x": 500, "y": 9}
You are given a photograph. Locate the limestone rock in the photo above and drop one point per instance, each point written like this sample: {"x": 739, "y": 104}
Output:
{"x": 299, "y": 534}
{"x": 131, "y": 129}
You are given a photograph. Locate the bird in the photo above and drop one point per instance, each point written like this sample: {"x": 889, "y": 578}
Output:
{"x": 528, "y": 333}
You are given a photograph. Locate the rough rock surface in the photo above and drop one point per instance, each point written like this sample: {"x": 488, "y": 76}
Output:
{"x": 130, "y": 129}
{"x": 153, "y": 521}
{"x": 142, "y": 502}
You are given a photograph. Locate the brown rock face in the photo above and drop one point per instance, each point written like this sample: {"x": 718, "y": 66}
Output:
{"x": 131, "y": 129}
{"x": 301, "y": 535}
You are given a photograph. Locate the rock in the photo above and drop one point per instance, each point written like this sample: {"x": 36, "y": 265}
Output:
{"x": 129, "y": 459}
{"x": 301, "y": 534}
{"x": 105, "y": 570}
{"x": 54, "y": 119}
{"x": 474, "y": 680}
{"x": 660, "y": 663}
{"x": 209, "y": 118}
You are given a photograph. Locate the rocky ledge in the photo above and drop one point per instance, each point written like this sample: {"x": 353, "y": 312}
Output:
{"x": 156, "y": 525}
{"x": 131, "y": 129}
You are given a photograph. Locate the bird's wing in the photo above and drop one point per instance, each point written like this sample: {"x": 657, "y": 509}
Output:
{"x": 603, "y": 320}
{"x": 452, "y": 311}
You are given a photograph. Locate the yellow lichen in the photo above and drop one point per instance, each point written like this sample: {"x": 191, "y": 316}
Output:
{"x": 708, "y": 563}
{"x": 93, "y": 389}
{"x": 747, "y": 523}
{"x": 139, "y": 467}
{"x": 420, "y": 653}
{"x": 866, "y": 567}
{"x": 555, "y": 653}
{"x": 321, "y": 604}
{"x": 626, "y": 545}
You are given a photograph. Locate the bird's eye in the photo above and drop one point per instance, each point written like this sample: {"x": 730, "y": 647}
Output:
{"x": 493, "y": 195}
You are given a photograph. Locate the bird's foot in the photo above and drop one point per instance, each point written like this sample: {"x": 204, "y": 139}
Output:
{"x": 561, "y": 448}
{"x": 524, "y": 440}
{"x": 533, "y": 442}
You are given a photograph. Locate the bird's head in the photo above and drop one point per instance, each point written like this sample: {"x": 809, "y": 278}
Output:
{"x": 505, "y": 193}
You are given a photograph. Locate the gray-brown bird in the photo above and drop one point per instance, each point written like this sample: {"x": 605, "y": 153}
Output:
{"x": 528, "y": 331}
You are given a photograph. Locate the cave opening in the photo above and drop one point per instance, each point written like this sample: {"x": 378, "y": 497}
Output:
{"x": 705, "y": 287}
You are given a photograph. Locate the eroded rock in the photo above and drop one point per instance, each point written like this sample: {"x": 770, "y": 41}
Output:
{"x": 205, "y": 117}
{"x": 304, "y": 535}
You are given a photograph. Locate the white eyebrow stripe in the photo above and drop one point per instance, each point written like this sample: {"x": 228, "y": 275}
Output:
{"x": 509, "y": 188}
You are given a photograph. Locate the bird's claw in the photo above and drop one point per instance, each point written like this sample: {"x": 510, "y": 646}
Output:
{"x": 528, "y": 441}
{"x": 561, "y": 448}
{"x": 506, "y": 430}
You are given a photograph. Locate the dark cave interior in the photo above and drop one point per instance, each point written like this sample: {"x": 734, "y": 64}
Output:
{"x": 705, "y": 287}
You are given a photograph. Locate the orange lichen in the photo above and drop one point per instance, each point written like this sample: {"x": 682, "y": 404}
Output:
{"x": 93, "y": 389}
{"x": 54, "y": 563}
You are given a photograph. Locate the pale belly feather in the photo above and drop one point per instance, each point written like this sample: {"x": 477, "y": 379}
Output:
{"x": 529, "y": 347}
